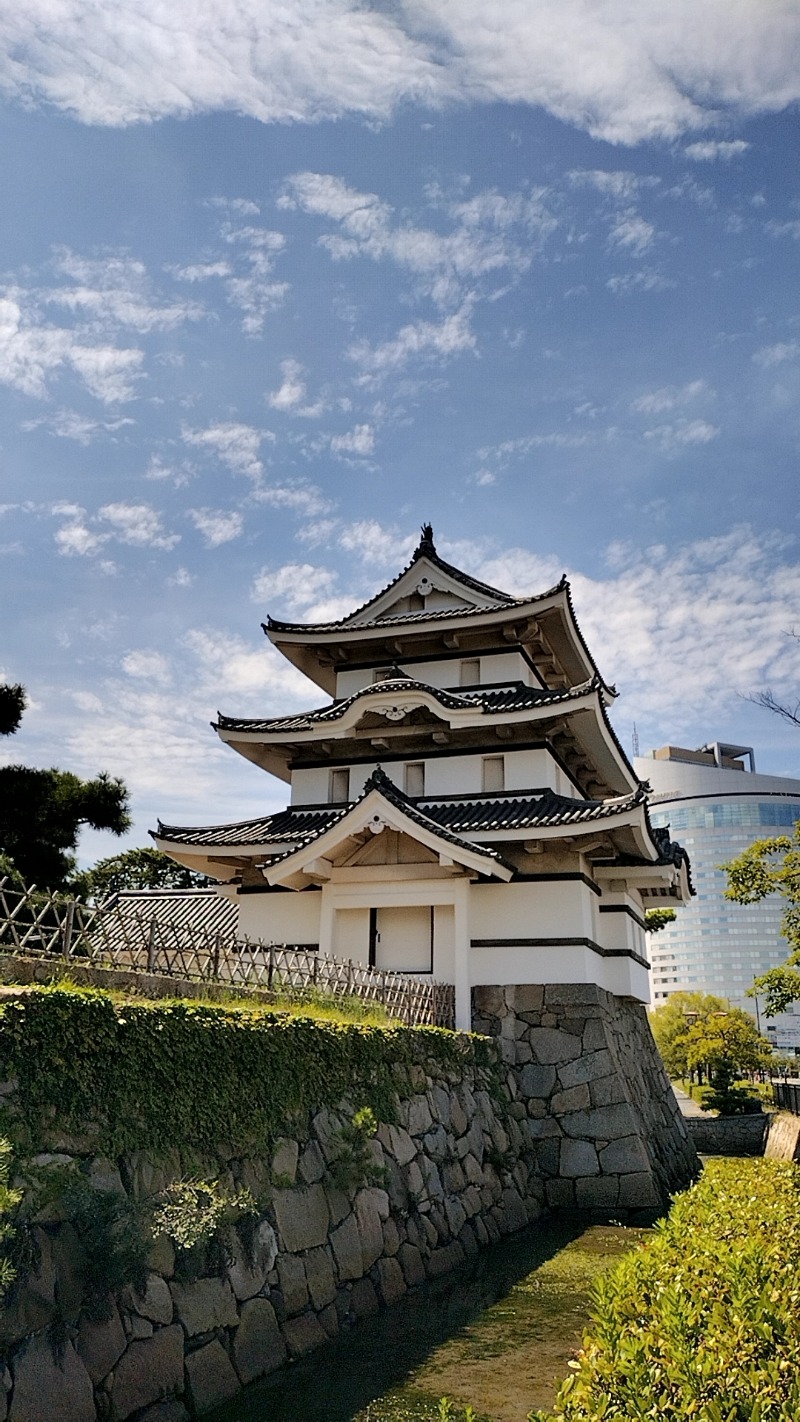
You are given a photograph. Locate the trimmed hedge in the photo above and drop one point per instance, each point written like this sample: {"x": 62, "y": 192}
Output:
{"x": 153, "y": 1076}
{"x": 702, "y": 1322}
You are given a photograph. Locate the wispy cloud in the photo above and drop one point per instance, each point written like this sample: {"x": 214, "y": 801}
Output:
{"x": 236, "y": 445}
{"x": 427, "y": 340}
{"x": 710, "y": 150}
{"x": 778, "y": 354}
{"x": 490, "y": 234}
{"x": 673, "y": 437}
{"x": 83, "y": 535}
{"x": 217, "y": 526}
{"x": 624, "y": 74}
{"x": 670, "y": 397}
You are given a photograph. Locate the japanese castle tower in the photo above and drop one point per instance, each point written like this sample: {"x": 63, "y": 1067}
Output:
{"x": 461, "y": 807}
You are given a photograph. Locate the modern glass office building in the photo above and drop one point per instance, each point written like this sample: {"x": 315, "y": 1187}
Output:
{"x": 716, "y": 805}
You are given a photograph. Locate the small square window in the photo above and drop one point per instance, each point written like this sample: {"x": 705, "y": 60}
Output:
{"x": 381, "y": 674}
{"x": 493, "y": 773}
{"x": 470, "y": 672}
{"x": 414, "y": 778}
{"x": 339, "y": 789}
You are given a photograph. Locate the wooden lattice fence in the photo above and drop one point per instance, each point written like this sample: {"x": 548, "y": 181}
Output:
{"x": 120, "y": 934}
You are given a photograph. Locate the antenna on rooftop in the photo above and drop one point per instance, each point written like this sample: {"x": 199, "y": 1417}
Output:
{"x": 635, "y": 740}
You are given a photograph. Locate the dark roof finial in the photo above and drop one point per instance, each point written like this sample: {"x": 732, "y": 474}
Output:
{"x": 426, "y": 544}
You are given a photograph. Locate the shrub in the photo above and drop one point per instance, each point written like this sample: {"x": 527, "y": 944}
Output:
{"x": 703, "y": 1321}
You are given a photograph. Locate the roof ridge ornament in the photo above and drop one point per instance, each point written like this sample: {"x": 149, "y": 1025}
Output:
{"x": 426, "y": 548}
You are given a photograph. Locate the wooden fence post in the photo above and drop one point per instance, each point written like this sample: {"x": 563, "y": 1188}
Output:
{"x": 217, "y": 946}
{"x": 151, "y": 947}
{"x": 69, "y": 918}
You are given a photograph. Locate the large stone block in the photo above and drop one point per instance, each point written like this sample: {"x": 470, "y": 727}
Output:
{"x": 204, "y": 1305}
{"x": 638, "y": 1192}
{"x": 155, "y": 1303}
{"x": 411, "y": 1263}
{"x": 247, "y": 1271}
{"x": 370, "y": 1228}
{"x": 585, "y": 1068}
{"x": 346, "y": 1244}
{"x": 302, "y": 1217}
{"x": 551, "y": 1046}
{"x": 624, "y": 1157}
{"x": 537, "y": 1080}
{"x": 293, "y": 1285}
{"x": 150, "y": 1370}
{"x": 602, "y": 1123}
{"x": 598, "y": 1192}
{"x": 284, "y": 1161}
{"x": 211, "y": 1377}
{"x": 392, "y": 1281}
{"x": 258, "y": 1347}
{"x": 101, "y": 1344}
{"x": 578, "y": 1158}
{"x": 303, "y": 1334}
{"x": 46, "y": 1389}
{"x": 320, "y": 1277}
{"x": 398, "y": 1143}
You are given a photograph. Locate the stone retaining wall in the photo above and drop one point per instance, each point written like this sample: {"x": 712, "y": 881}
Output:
{"x": 592, "y": 1090}
{"x": 460, "y": 1171}
{"x": 729, "y": 1135}
{"x": 783, "y": 1136}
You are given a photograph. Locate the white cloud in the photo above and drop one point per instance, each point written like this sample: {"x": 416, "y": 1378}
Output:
{"x": 491, "y": 233}
{"x": 305, "y": 500}
{"x": 295, "y": 586}
{"x": 628, "y": 70}
{"x": 670, "y": 397}
{"x": 75, "y": 539}
{"x": 31, "y": 352}
{"x": 660, "y": 625}
{"x": 115, "y": 291}
{"x": 139, "y": 525}
{"x": 68, "y": 424}
{"x": 630, "y": 233}
{"x": 292, "y": 390}
{"x": 682, "y": 433}
{"x": 360, "y": 441}
{"x": 423, "y": 339}
{"x": 776, "y": 355}
{"x": 217, "y": 526}
{"x": 290, "y": 397}
{"x": 148, "y": 666}
{"x": 202, "y": 271}
{"x": 234, "y": 444}
{"x": 649, "y": 279}
{"x": 710, "y": 149}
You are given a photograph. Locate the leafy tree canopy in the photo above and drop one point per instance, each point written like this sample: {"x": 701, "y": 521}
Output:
{"x": 41, "y": 811}
{"x": 12, "y": 704}
{"x": 672, "y": 1023}
{"x": 134, "y": 869}
{"x": 656, "y": 919}
{"x": 697, "y": 1031}
{"x": 772, "y": 866}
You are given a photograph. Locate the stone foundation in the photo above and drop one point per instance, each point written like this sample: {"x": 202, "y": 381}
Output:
{"x": 590, "y": 1089}
{"x": 458, "y": 1172}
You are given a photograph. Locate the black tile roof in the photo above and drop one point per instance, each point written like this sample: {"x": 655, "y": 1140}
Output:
{"x": 380, "y": 781}
{"x": 473, "y": 816}
{"x": 494, "y": 701}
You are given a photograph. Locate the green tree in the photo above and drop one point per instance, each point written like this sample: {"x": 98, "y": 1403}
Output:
{"x": 134, "y": 869}
{"x": 772, "y": 866}
{"x": 673, "y": 1022}
{"x": 12, "y": 704}
{"x": 41, "y": 811}
{"x": 656, "y": 919}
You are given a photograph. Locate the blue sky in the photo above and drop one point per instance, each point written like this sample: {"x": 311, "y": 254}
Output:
{"x": 276, "y": 289}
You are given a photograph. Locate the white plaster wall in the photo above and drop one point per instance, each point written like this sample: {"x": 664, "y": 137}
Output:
{"x": 505, "y": 666}
{"x": 351, "y": 934}
{"x": 558, "y": 965}
{"x": 310, "y": 787}
{"x": 555, "y": 909}
{"x": 280, "y": 917}
{"x": 444, "y": 943}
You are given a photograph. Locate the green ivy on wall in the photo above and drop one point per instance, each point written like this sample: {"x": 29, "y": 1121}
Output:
{"x": 153, "y": 1077}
